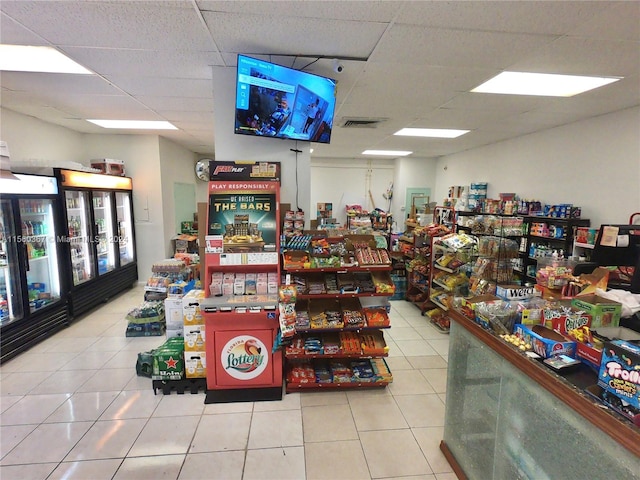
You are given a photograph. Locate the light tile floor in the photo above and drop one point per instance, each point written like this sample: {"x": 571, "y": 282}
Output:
{"x": 72, "y": 407}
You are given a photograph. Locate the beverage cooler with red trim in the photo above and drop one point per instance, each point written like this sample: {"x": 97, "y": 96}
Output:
{"x": 241, "y": 282}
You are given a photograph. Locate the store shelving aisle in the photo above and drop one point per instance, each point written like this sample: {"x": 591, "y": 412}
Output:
{"x": 72, "y": 407}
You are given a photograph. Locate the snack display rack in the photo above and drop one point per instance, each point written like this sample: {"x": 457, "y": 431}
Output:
{"x": 341, "y": 312}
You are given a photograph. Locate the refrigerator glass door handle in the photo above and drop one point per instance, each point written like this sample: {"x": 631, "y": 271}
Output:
{"x": 26, "y": 256}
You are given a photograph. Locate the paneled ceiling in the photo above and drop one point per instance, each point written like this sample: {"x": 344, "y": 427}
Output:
{"x": 417, "y": 61}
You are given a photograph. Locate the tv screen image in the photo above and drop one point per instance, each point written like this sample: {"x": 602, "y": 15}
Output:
{"x": 281, "y": 102}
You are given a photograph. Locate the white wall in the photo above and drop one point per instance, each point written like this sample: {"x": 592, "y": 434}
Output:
{"x": 232, "y": 147}
{"x": 348, "y": 182}
{"x": 176, "y": 166}
{"x": 411, "y": 173}
{"x": 31, "y": 139}
{"x": 142, "y": 163}
{"x": 594, "y": 164}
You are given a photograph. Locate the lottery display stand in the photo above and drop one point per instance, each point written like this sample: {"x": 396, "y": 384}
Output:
{"x": 241, "y": 283}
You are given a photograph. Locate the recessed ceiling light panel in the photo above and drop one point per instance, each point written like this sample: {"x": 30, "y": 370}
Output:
{"x": 134, "y": 124}
{"x": 542, "y": 84}
{"x": 24, "y": 58}
{"x": 387, "y": 153}
{"x": 431, "y": 132}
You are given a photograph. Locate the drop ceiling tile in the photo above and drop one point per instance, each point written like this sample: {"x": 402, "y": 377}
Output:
{"x": 164, "y": 87}
{"x": 195, "y": 118}
{"x": 490, "y": 101}
{"x": 407, "y": 44}
{"x": 618, "y": 21}
{"x": 583, "y": 56}
{"x": 460, "y": 118}
{"x": 143, "y": 25}
{"x": 271, "y": 34}
{"x": 177, "y": 103}
{"x": 553, "y": 18}
{"x": 12, "y": 33}
{"x": 58, "y": 83}
{"x": 377, "y": 11}
{"x": 146, "y": 63}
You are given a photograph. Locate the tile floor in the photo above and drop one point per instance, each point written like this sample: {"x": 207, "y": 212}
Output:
{"x": 72, "y": 407}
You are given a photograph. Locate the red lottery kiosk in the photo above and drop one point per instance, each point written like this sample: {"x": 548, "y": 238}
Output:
{"x": 242, "y": 273}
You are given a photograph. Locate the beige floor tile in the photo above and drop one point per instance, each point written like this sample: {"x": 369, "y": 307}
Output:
{"x": 110, "y": 344}
{"x": 108, "y": 439}
{"x": 393, "y": 453}
{"x": 37, "y": 471}
{"x": 342, "y": 460}
{"x": 275, "y": 464}
{"x": 225, "y": 431}
{"x": 238, "y": 407}
{"x": 177, "y": 405}
{"x": 276, "y": 429}
{"x": 290, "y": 401}
{"x": 354, "y": 394}
{"x": 90, "y": 469}
{"x": 12, "y": 435}
{"x": 122, "y": 359}
{"x": 429, "y": 332}
{"x": 6, "y": 401}
{"x": 63, "y": 381}
{"x": 446, "y": 476}
{"x": 411, "y": 348}
{"x": 108, "y": 380}
{"x": 409, "y": 382}
{"x": 83, "y": 407}
{"x": 32, "y": 409}
{"x": 397, "y": 320}
{"x": 310, "y": 399}
{"x": 143, "y": 344}
{"x": 430, "y": 361}
{"x": 42, "y": 362}
{"x": 140, "y": 383}
{"x": 422, "y": 410}
{"x": 398, "y": 363}
{"x": 443, "y": 398}
{"x": 161, "y": 467}
{"x": 70, "y": 345}
{"x": 328, "y": 423}
{"x": 403, "y": 333}
{"x": 437, "y": 378}
{"x": 89, "y": 360}
{"x": 429, "y": 439}
{"x": 18, "y": 384}
{"x": 165, "y": 436}
{"x": 440, "y": 345}
{"x": 132, "y": 404}
{"x": 47, "y": 443}
{"x": 380, "y": 413}
{"x": 394, "y": 350}
{"x": 228, "y": 466}
{"x": 412, "y": 477}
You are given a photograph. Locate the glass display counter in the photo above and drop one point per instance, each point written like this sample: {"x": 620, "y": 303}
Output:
{"x": 509, "y": 417}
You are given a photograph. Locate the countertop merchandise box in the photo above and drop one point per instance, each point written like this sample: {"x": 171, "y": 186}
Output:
{"x": 620, "y": 371}
{"x": 592, "y": 356}
{"x": 604, "y": 312}
{"x": 109, "y": 166}
{"x": 564, "y": 319}
{"x": 195, "y": 364}
{"x": 546, "y": 342}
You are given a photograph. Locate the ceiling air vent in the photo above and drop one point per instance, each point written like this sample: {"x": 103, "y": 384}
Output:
{"x": 361, "y": 122}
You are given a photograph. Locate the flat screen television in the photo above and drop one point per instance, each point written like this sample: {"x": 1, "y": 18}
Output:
{"x": 281, "y": 102}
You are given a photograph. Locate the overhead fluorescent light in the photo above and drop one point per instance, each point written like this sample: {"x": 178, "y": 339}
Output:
{"x": 311, "y": 150}
{"x": 387, "y": 153}
{"x": 24, "y": 58}
{"x": 431, "y": 132}
{"x": 543, "y": 84}
{"x": 135, "y": 124}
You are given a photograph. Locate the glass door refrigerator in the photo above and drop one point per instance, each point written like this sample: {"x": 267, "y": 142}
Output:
{"x": 99, "y": 221}
{"x": 33, "y": 304}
